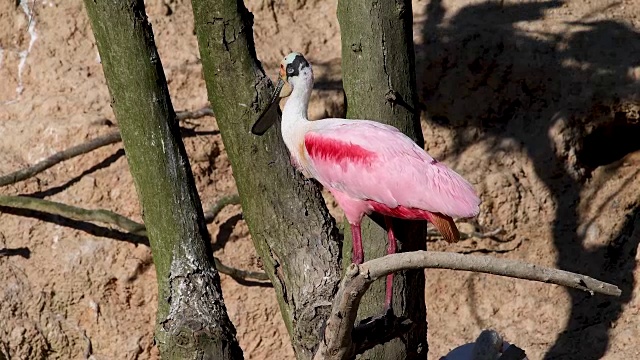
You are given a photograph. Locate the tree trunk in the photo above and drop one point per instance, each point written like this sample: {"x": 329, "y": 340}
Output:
{"x": 291, "y": 228}
{"x": 378, "y": 68}
{"x": 192, "y": 321}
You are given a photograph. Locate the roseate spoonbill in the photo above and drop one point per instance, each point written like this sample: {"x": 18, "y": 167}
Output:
{"x": 366, "y": 165}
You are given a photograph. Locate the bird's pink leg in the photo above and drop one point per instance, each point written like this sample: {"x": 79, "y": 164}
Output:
{"x": 357, "y": 256}
{"x": 391, "y": 249}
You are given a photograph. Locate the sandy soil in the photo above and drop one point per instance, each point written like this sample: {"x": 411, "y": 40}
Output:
{"x": 534, "y": 102}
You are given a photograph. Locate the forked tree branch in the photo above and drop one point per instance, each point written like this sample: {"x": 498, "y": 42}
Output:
{"x": 73, "y": 212}
{"x": 84, "y": 148}
{"x": 132, "y": 227}
{"x": 338, "y": 342}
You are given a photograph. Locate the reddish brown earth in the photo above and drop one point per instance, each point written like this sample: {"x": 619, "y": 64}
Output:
{"x": 534, "y": 102}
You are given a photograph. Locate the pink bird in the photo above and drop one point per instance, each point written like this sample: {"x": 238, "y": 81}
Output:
{"x": 367, "y": 166}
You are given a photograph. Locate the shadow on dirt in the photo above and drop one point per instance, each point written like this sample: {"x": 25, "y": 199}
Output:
{"x": 87, "y": 227}
{"x": 483, "y": 76}
{"x": 108, "y": 161}
{"x": 24, "y": 252}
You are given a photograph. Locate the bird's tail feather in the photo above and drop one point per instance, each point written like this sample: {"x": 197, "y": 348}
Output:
{"x": 445, "y": 226}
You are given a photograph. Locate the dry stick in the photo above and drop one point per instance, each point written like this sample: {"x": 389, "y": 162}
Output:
{"x": 219, "y": 205}
{"x": 338, "y": 343}
{"x": 56, "y": 158}
{"x": 195, "y": 114}
{"x": 87, "y": 147}
{"x": 112, "y": 218}
{"x": 73, "y": 212}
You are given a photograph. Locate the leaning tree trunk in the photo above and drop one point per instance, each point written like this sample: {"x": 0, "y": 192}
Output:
{"x": 378, "y": 68}
{"x": 291, "y": 228}
{"x": 192, "y": 321}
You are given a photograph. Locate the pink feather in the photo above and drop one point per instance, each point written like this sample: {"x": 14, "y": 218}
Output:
{"x": 370, "y": 166}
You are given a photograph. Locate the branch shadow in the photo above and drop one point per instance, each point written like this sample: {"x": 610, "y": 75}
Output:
{"x": 102, "y": 231}
{"x": 108, "y": 161}
{"x": 89, "y": 228}
{"x": 225, "y": 231}
{"x": 24, "y": 252}
{"x": 484, "y": 77}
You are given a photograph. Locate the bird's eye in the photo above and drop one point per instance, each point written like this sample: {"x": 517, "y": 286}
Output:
{"x": 290, "y": 70}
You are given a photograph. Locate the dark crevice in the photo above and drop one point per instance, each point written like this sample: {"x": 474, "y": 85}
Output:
{"x": 610, "y": 142}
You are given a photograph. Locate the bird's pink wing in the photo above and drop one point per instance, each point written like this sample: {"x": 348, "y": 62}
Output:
{"x": 371, "y": 161}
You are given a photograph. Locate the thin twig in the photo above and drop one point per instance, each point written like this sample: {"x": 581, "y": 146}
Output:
{"x": 112, "y": 218}
{"x": 74, "y": 213}
{"x": 338, "y": 341}
{"x": 56, "y": 158}
{"x": 195, "y": 114}
{"x": 238, "y": 273}
{"x": 219, "y": 205}
{"x": 87, "y": 147}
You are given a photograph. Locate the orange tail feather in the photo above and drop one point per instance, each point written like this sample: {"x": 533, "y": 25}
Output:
{"x": 445, "y": 226}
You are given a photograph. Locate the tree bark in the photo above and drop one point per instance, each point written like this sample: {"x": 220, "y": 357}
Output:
{"x": 192, "y": 321}
{"x": 290, "y": 225}
{"x": 378, "y": 70}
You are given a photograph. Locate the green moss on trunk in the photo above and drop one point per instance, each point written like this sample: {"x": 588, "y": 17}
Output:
{"x": 192, "y": 322}
{"x": 291, "y": 228}
{"x": 378, "y": 67}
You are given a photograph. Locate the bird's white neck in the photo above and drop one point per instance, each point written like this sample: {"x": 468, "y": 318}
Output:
{"x": 298, "y": 102}
{"x": 294, "y": 114}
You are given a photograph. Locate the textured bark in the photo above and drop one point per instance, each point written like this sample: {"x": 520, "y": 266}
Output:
{"x": 291, "y": 228}
{"x": 192, "y": 321}
{"x": 378, "y": 68}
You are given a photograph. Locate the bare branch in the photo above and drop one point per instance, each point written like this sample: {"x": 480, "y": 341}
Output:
{"x": 195, "y": 114}
{"x": 219, "y": 205}
{"x": 61, "y": 156}
{"x": 338, "y": 342}
{"x": 73, "y": 212}
{"x": 485, "y": 264}
{"x": 238, "y": 273}
{"x": 87, "y": 147}
{"x": 112, "y": 218}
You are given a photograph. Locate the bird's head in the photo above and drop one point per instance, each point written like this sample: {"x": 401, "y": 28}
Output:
{"x": 295, "y": 70}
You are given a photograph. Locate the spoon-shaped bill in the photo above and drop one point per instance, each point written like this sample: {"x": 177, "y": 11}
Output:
{"x": 269, "y": 116}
